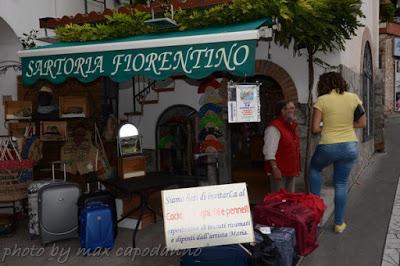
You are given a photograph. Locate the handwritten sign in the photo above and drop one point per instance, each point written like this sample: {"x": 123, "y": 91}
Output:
{"x": 207, "y": 216}
{"x": 244, "y": 103}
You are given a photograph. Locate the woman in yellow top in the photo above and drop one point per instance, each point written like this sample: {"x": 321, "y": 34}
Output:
{"x": 338, "y": 145}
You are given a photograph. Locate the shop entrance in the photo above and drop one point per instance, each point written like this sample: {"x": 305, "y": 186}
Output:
{"x": 175, "y": 137}
{"x": 247, "y": 140}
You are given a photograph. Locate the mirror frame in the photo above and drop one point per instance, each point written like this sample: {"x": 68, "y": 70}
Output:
{"x": 129, "y": 140}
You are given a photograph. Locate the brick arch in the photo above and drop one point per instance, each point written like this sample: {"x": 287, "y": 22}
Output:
{"x": 276, "y": 72}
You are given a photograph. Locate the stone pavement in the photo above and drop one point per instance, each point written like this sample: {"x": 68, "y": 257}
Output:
{"x": 369, "y": 211}
{"x": 20, "y": 250}
{"x": 391, "y": 253}
{"x": 364, "y": 242}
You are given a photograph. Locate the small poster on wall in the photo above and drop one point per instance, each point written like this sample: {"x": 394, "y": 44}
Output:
{"x": 397, "y": 87}
{"x": 244, "y": 103}
{"x": 396, "y": 47}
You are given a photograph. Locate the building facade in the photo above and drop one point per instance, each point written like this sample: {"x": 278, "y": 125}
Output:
{"x": 284, "y": 76}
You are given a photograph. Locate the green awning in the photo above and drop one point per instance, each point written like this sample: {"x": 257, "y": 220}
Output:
{"x": 196, "y": 54}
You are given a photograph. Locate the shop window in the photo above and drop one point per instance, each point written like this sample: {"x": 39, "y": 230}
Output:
{"x": 368, "y": 92}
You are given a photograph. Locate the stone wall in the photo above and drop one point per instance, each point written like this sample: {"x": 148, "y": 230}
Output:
{"x": 387, "y": 71}
{"x": 366, "y": 149}
{"x": 379, "y": 115}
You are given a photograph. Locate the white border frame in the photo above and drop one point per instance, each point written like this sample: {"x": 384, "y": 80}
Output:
{"x": 153, "y": 43}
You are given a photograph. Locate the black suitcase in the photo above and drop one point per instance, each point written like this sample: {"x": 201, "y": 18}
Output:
{"x": 227, "y": 255}
{"x": 103, "y": 196}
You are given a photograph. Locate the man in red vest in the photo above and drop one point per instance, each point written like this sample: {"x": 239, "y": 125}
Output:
{"x": 282, "y": 148}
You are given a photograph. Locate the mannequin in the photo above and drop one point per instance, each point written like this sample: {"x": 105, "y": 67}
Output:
{"x": 46, "y": 110}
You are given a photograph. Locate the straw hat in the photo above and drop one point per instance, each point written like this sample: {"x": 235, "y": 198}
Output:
{"x": 46, "y": 89}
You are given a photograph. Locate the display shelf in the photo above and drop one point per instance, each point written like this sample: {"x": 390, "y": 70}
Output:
{"x": 18, "y": 110}
{"x": 18, "y": 129}
{"x": 53, "y": 130}
{"x": 73, "y": 107}
{"x": 132, "y": 166}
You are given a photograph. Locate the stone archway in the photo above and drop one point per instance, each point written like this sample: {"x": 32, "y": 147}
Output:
{"x": 276, "y": 72}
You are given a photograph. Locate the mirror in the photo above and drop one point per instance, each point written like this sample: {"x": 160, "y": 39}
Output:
{"x": 129, "y": 140}
{"x": 128, "y": 130}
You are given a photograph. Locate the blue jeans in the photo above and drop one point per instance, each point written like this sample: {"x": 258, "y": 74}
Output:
{"x": 342, "y": 156}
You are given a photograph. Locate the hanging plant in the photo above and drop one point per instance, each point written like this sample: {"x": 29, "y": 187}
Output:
{"x": 118, "y": 25}
{"x": 387, "y": 12}
{"x": 122, "y": 25}
{"x": 28, "y": 39}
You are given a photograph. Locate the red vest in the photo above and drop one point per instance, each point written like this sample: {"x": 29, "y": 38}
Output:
{"x": 288, "y": 154}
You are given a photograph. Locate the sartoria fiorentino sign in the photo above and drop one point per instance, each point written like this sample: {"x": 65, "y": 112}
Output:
{"x": 195, "y": 61}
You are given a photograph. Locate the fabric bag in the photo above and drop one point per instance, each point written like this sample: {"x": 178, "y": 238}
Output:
{"x": 296, "y": 210}
{"x": 358, "y": 112}
{"x": 311, "y": 201}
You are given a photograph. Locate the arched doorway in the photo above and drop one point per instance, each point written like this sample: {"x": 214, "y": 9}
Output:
{"x": 368, "y": 92}
{"x": 247, "y": 139}
{"x": 175, "y": 137}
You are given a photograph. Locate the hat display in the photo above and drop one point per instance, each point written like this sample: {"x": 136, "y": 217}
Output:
{"x": 210, "y": 131}
{"x": 211, "y": 146}
{"x": 211, "y": 95}
{"x": 209, "y": 107}
{"x": 212, "y": 83}
{"x": 52, "y": 130}
{"x": 215, "y": 120}
{"x": 46, "y": 89}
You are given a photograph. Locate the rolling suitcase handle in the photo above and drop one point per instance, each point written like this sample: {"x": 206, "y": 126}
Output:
{"x": 53, "y": 169}
{"x": 88, "y": 186}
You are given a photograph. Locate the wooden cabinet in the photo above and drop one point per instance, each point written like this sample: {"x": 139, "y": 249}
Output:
{"x": 134, "y": 166}
{"x": 53, "y": 130}
{"x": 18, "y": 110}
{"x": 19, "y": 129}
{"x": 73, "y": 107}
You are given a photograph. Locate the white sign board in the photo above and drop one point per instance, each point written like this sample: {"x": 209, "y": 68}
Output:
{"x": 244, "y": 103}
{"x": 396, "y": 47}
{"x": 207, "y": 216}
{"x": 397, "y": 86}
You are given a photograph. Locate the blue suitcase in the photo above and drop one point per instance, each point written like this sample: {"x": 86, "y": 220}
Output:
{"x": 97, "y": 227}
{"x": 229, "y": 255}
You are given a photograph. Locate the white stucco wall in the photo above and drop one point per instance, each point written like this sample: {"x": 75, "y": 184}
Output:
{"x": 183, "y": 94}
{"x": 9, "y": 45}
{"x": 23, "y": 15}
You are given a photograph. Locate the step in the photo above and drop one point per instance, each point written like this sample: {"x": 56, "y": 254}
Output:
{"x": 133, "y": 113}
{"x": 150, "y": 102}
{"x": 163, "y": 89}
